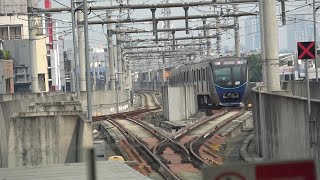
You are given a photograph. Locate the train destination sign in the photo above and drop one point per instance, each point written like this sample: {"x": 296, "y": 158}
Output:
{"x": 295, "y": 170}
{"x": 306, "y": 50}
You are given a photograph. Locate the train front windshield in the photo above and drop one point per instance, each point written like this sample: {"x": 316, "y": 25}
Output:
{"x": 230, "y": 76}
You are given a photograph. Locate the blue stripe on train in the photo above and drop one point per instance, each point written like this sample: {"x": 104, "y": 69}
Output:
{"x": 226, "y": 102}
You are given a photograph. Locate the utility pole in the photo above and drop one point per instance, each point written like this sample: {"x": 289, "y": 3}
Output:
{"x": 206, "y": 33}
{"x": 75, "y": 49}
{"x": 164, "y": 70}
{"x": 271, "y": 45}
{"x": 94, "y": 58}
{"x": 315, "y": 37}
{"x": 87, "y": 60}
{"x": 111, "y": 59}
{"x": 119, "y": 59}
{"x": 218, "y": 37}
{"x": 166, "y": 25}
{"x": 33, "y": 50}
{"x": 236, "y": 33}
{"x": 81, "y": 49}
{"x": 263, "y": 58}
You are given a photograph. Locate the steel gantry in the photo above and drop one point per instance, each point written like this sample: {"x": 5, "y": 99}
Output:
{"x": 149, "y": 6}
{"x": 83, "y": 23}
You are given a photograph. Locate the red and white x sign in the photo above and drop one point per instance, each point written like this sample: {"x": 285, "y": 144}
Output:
{"x": 306, "y": 50}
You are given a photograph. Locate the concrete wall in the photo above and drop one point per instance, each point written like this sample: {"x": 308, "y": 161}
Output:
{"x": 16, "y": 105}
{"x": 53, "y": 96}
{"x": 47, "y": 140}
{"x": 179, "y": 103}
{"x": 15, "y": 20}
{"x": 299, "y": 88}
{"x": 281, "y": 126}
{"x": 105, "y": 102}
{"x": 15, "y": 6}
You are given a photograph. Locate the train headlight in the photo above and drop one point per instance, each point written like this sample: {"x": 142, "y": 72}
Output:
{"x": 237, "y": 83}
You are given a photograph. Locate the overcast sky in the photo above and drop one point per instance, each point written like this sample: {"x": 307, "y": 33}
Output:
{"x": 97, "y": 38}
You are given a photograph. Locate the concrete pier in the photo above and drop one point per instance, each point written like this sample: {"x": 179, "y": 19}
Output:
{"x": 179, "y": 103}
{"x": 51, "y": 128}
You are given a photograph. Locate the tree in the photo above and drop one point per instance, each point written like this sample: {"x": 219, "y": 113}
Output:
{"x": 255, "y": 67}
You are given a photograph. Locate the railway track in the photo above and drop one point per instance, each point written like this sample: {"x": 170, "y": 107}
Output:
{"x": 201, "y": 139}
{"x": 175, "y": 156}
{"x": 190, "y": 150}
{"x": 144, "y": 144}
{"x": 150, "y": 100}
{"x": 150, "y": 105}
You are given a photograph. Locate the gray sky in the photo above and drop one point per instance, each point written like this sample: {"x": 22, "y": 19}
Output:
{"x": 97, "y": 37}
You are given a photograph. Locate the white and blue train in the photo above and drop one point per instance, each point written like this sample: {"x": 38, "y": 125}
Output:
{"x": 220, "y": 82}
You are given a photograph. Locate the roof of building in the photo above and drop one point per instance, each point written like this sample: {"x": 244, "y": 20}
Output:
{"x": 77, "y": 171}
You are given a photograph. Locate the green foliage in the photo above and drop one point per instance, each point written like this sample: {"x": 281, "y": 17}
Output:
{"x": 4, "y": 54}
{"x": 255, "y": 67}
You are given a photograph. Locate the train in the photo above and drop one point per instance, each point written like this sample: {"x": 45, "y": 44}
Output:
{"x": 219, "y": 82}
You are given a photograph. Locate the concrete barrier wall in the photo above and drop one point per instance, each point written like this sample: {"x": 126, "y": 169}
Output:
{"x": 299, "y": 88}
{"x": 17, "y": 96}
{"x": 281, "y": 126}
{"x": 8, "y": 108}
{"x": 47, "y": 140}
{"x": 179, "y": 102}
{"x": 105, "y": 102}
{"x": 148, "y": 86}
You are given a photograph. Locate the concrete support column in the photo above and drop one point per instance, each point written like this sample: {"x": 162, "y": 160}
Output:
{"x": 126, "y": 72}
{"x": 111, "y": 58}
{"x": 120, "y": 63}
{"x": 81, "y": 48}
{"x": 33, "y": 51}
{"x": 206, "y": 33}
{"x": 129, "y": 79}
{"x": 218, "y": 37}
{"x": 263, "y": 57}
{"x": 236, "y": 34}
{"x": 94, "y": 71}
{"x": 75, "y": 52}
{"x": 271, "y": 45}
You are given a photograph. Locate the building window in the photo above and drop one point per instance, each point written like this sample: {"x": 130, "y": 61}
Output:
{"x": 49, "y": 61}
{"x": 15, "y": 32}
{"x": 49, "y": 74}
{"x": 4, "y": 33}
{"x": 10, "y": 32}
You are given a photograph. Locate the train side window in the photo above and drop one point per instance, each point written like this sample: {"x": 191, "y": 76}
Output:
{"x": 199, "y": 75}
{"x": 194, "y": 76}
{"x": 204, "y": 74}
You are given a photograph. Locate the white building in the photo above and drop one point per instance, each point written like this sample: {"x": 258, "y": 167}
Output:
{"x": 252, "y": 31}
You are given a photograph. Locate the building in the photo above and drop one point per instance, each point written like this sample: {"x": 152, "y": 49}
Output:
{"x": 55, "y": 58}
{"x": 6, "y": 78}
{"x": 14, "y": 32}
{"x": 252, "y": 31}
{"x": 298, "y": 30}
{"x": 20, "y": 53}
